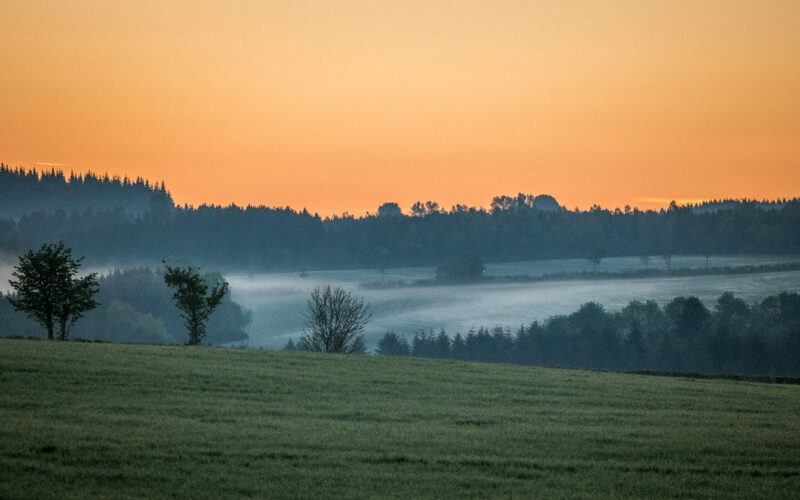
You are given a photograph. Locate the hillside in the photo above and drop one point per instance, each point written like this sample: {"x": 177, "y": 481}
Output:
{"x": 108, "y": 420}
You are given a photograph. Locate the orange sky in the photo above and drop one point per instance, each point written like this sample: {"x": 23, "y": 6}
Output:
{"x": 341, "y": 105}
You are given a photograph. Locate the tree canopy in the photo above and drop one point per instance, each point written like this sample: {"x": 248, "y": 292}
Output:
{"x": 193, "y": 298}
{"x": 467, "y": 267}
{"x": 48, "y": 290}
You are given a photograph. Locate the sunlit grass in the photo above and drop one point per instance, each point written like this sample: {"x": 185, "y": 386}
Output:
{"x": 103, "y": 420}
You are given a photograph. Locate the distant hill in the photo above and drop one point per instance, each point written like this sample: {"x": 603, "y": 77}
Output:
{"x": 25, "y": 192}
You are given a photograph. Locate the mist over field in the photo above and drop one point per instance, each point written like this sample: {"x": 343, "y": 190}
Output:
{"x": 277, "y": 300}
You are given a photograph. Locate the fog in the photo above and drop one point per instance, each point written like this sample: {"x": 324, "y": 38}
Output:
{"x": 277, "y": 299}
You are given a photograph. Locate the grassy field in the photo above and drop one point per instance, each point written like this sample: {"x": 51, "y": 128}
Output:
{"x": 103, "y": 420}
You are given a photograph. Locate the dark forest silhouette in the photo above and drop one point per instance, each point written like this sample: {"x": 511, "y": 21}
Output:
{"x": 29, "y": 191}
{"x": 683, "y": 336}
{"x": 109, "y": 219}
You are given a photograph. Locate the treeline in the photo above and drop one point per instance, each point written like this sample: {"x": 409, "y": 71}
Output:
{"x": 512, "y": 228}
{"x": 683, "y": 336}
{"x": 136, "y": 306}
{"x": 29, "y": 191}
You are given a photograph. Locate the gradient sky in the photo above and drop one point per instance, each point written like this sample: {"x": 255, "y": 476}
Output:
{"x": 341, "y": 105}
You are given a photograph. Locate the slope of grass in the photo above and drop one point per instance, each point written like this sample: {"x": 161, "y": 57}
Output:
{"x": 109, "y": 421}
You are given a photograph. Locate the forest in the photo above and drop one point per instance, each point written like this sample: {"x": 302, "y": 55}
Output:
{"x": 683, "y": 336}
{"x": 112, "y": 220}
{"x": 29, "y": 191}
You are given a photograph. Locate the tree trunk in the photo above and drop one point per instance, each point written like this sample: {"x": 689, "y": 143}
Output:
{"x": 194, "y": 331}
{"x": 49, "y": 325}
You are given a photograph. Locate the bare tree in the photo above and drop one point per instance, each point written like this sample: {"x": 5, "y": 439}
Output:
{"x": 335, "y": 320}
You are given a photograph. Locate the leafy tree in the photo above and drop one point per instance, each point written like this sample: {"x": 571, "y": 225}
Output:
{"x": 193, "y": 299}
{"x": 389, "y": 209}
{"x": 146, "y": 292}
{"x": 689, "y": 317}
{"x": 335, "y": 320}
{"x": 546, "y": 203}
{"x": 466, "y": 267}
{"x": 420, "y": 209}
{"x": 731, "y": 310}
{"x": 48, "y": 291}
{"x": 596, "y": 257}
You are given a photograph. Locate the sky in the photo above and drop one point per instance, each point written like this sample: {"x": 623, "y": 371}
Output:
{"x": 342, "y": 105}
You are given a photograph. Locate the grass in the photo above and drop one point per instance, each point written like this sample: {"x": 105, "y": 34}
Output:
{"x": 82, "y": 420}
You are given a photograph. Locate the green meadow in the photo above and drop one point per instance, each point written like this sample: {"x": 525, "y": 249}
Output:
{"x": 83, "y": 420}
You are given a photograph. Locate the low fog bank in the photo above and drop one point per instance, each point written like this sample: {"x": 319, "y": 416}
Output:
{"x": 357, "y": 277}
{"x": 627, "y": 264}
{"x": 277, "y": 301}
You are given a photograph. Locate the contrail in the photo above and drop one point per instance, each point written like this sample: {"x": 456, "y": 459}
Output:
{"x": 52, "y": 164}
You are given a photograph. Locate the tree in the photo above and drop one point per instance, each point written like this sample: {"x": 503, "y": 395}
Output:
{"x": 689, "y": 317}
{"x": 393, "y": 345}
{"x": 48, "y": 291}
{"x": 420, "y": 209}
{"x": 596, "y": 256}
{"x": 389, "y": 209}
{"x": 667, "y": 256}
{"x": 466, "y": 267}
{"x": 193, "y": 299}
{"x": 335, "y": 320}
{"x": 547, "y": 203}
